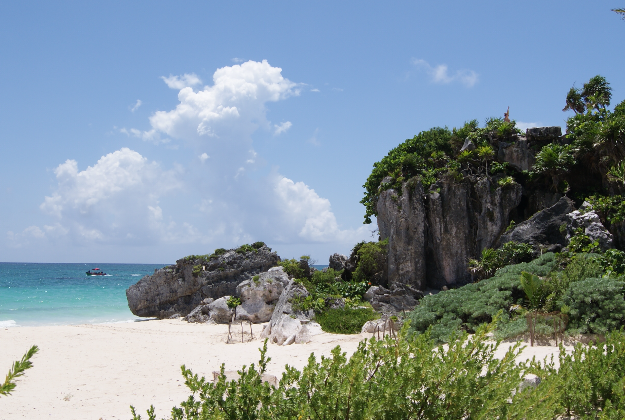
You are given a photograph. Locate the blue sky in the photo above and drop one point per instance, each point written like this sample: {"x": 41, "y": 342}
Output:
{"x": 147, "y": 131}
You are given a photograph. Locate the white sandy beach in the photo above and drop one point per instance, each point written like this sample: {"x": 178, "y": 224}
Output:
{"x": 98, "y": 371}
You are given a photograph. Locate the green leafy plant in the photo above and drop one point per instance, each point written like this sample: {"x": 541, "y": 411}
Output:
{"x": 245, "y": 248}
{"x": 506, "y": 181}
{"x": 386, "y": 379}
{"x": 371, "y": 261}
{"x": 531, "y": 285}
{"x": 467, "y": 307}
{"x": 197, "y": 269}
{"x": 617, "y": 172}
{"x": 580, "y": 242}
{"x": 610, "y": 208}
{"x": 18, "y": 369}
{"x": 510, "y": 227}
{"x": 233, "y": 302}
{"x": 493, "y": 259}
{"x": 345, "y": 320}
{"x": 554, "y": 161}
{"x": 596, "y": 305}
{"x": 292, "y": 268}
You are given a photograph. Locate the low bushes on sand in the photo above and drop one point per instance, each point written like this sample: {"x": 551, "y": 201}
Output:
{"x": 469, "y": 306}
{"x": 345, "y": 320}
{"x": 412, "y": 378}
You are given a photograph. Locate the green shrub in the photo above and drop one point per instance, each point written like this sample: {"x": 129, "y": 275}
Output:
{"x": 292, "y": 268}
{"x": 595, "y": 305}
{"x": 493, "y": 259}
{"x": 580, "y": 242}
{"x": 328, "y": 284}
{"x": 258, "y": 245}
{"x": 467, "y": 307}
{"x": 611, "y": 208}
{"x": 245, "y": 248}
{"x": 577, "y": 267}
{"x": 220, "y": 251}
{"x": 613, "y": 262}
{"x": 197, "y": 269}
{"x": 371, "y": 261}
{"x": 506, "y": 181}
{"x": 387, "y": 379}
{"x": 344, "y": 320}
{"x": 233, "y": 302}
{"x": 586, "y": 383}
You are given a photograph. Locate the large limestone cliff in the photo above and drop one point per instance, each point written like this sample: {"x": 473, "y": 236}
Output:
{"x": 433, "y": 234}
{"x": 175, "y": 289}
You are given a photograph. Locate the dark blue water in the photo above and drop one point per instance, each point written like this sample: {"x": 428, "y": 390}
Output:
{"x": 61, "y": 294}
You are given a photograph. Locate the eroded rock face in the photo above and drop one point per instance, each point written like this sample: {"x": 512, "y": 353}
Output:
{"x": 433, "y": 234}
{"x": 518, "y": 154}
{"x": 547, "y": 228}
{"x": 390, "y": 302}
{"x": 589, "y": 221}
{"x": 288, "y": 324}
{"x": 175, "y": 289}
{"x": 338, "y": 262}
{"x": 259, "y": 297}
{"x": 401, "y": 220}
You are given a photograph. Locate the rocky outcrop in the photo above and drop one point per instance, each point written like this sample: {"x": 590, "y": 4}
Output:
{"x": 589, "y": 221}
{"x": 289, "y": 324}
{"x": 177, "y": 289}
{"x": 389, "y": 302}
{"x": 337, "y": 262}
{"x": 546, "y": 229}
{"x": 401, "y": 220}
{"x": 259, "y": 296}
{"x": 431, "y": 235}
{"x": 540, "y": 136}
{"x": 517, "y": 153}
{"x": 212, "y": 311}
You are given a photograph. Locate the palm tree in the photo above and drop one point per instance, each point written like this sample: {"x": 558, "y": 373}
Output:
{"x": 554, "y": 160}
{"x": 620, "y": 12}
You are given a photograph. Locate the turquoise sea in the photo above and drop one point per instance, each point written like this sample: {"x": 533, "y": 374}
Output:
{"x": 60, "y": 294}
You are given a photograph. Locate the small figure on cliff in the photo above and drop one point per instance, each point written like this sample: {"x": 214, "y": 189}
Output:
{"x": 506, "y": 115}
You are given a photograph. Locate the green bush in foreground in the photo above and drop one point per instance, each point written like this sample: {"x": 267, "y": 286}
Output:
{"x": 18, "y": 369}
{"x": 344, "y": 320}
{"x": 411, "y": 378}
{"x": 595, "y": 305}
{"x": 388, "y": 379}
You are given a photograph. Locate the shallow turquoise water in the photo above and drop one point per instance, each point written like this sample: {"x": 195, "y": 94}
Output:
{"x": 61, "y": 294}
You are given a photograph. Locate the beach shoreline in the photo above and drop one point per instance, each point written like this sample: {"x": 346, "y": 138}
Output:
{"x": 96, "y": 371}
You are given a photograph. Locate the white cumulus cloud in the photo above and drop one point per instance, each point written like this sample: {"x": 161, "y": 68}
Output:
{"x": 179, "y": 82}
{"x": 136, "y": 105}
{"x": 124, "y": 198}
{"x": 441, "y": 74}
{"x": 115, "y": 199}
{"x": 232, "y": 107}
{"x": 282, "y": 127}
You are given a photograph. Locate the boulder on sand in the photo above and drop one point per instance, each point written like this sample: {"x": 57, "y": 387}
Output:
{"x": 288, "y": 323}
{"x": 259, "y": 296}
